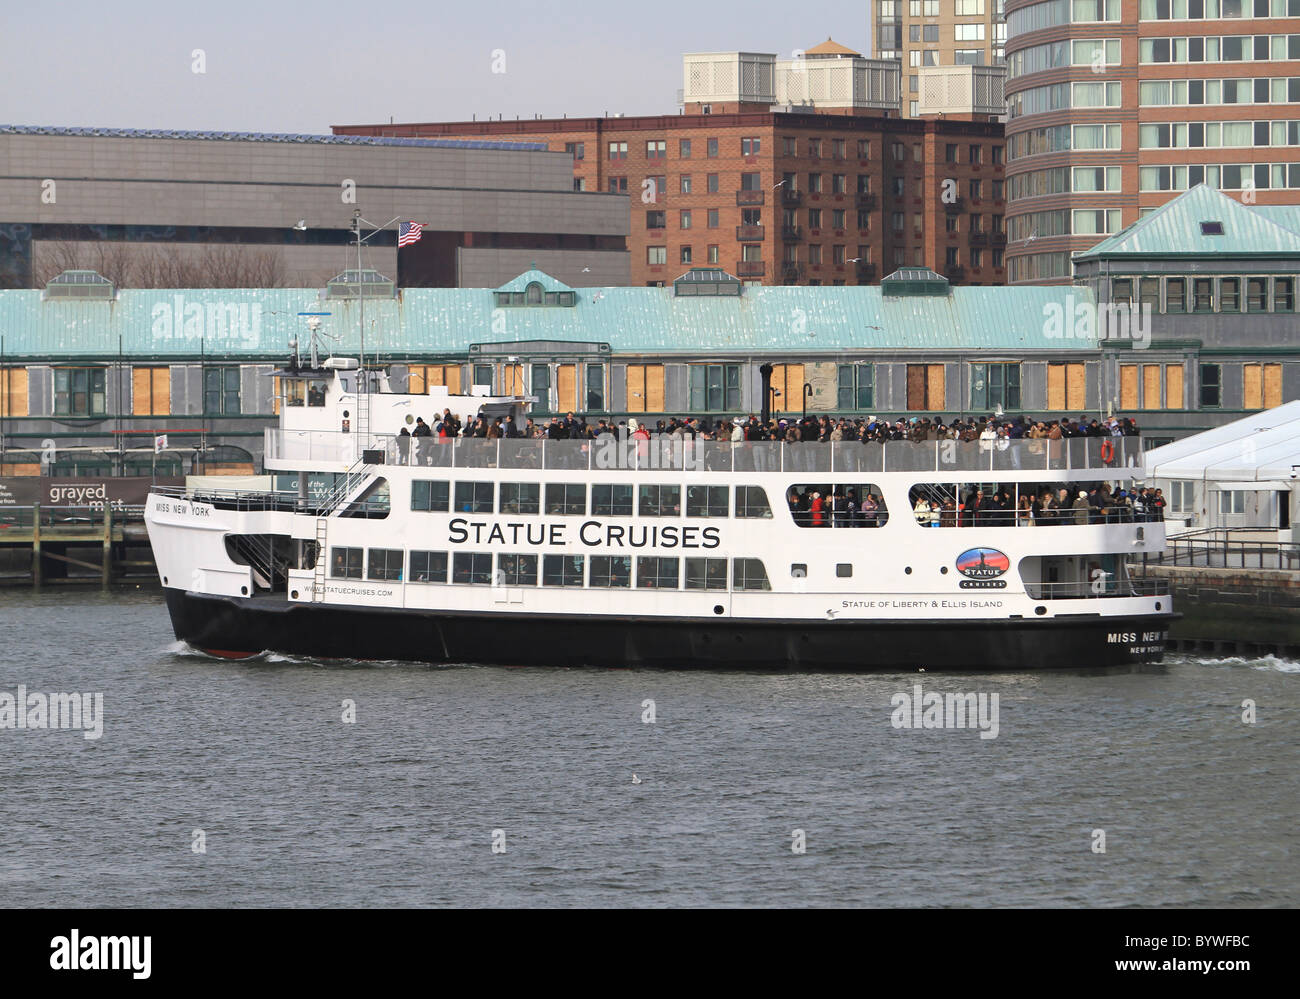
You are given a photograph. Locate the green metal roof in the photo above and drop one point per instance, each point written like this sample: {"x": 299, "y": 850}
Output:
{"x": 428, "y": 322}
{"x": 1174, "y": 230}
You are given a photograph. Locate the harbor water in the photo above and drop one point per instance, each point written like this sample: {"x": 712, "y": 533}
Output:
{"x": 286, "y": 782}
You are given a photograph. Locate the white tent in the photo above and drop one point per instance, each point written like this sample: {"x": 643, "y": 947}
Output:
{"x": 1256, "y": 454}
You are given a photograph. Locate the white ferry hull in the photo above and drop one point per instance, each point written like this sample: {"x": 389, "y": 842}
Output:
{"x": 240, "y": 626}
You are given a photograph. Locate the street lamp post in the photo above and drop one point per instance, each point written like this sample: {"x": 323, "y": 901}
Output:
{"x": 807, "y": 391}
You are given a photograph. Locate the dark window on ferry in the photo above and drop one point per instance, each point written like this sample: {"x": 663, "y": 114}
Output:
{"x": 706, "y": 573}
{"x": 566, "y": 498}
{"x": 842, "y": 504}
{"x": 749, "y": 574}
{"x": 428, "y": 567}
{"x": 844, "y": 570}
{"x": 474, "y": 497}
{"x": 517, "y": 570}
{"x": 660, "y": 501}
{"x": 654, "y": 572}
{"x": 520, "y": 497}
{"x": 706, "y": 501}
{"x": 562, "y": 570}
{"x": 433, "y": 496}
{"x": 611, "y": 501}
{"x": 611, "y": 571}
{"x": 751, "y": 501}
{"x": 384, "y": 563}
{"x": 345, "y": 563}
{"x": 472, "y": 567}
{"x": 994, "y": 385}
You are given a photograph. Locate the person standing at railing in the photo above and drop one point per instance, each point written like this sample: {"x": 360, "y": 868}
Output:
{"x": 1082, "y": 511}
{"x": 421, "y": 433}
{"x": 403, "y": 446}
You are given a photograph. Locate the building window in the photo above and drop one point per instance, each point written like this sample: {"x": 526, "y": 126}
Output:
{"x": 814, "y": 183}
{"x": 618, "y": 150}
{"x": 596, "y": 376}
{"x": 1229, "y": 294}
{"x": 815, "y": 149}
{"x": 950, "y": 153}
{"x": 815, "y": 255}
{"x": 1283, "y": 294}
{"x": 684, "y": 148}
{"x": 656, "y": 149}
{"x": 578, "y": 150}
{"x": 685, "y": 183}
{"x": 838, "y": 147}
{"x": 579, "y": 183}
{"x": 837, "y": 254}
{"x": 1202, "y": 295}
{"x": 713, "y": 253}
{"x": 656, "y": 255}
{"x": 864, "y": 149}
{"x": 1175, "y": 301}
{"x": 713, "y": 218}
{"x": 856, "y": 387}
{"x": 618, "y": 185}
{"x": 1211, "y": 386}
{"x": 975, "y": 154}
{"x": 684, "y": 219}
{"x": 1256, "y": 294}
{"x": 994, "y": 385}
{"x": 750, "y": 147}
{"x": 541, "y": 385}
{"x": 789, "y": 146}
{"x": 711, "y": 148}
{"x": 837, "y": 218}
{"x": 838, "y": 184}
{"x": 656, "y": 220}
{"x": 714, "y": 387}
{"x": 976, "y": 190}
{"x": 712, "y": 183}
{"x": 79, "y": 392}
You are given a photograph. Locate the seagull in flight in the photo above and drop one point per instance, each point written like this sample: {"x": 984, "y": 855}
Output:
{"x": 636, "y": 779}
{"x": 586, "y": 270}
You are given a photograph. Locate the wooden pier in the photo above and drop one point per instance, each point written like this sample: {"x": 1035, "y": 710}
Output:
{"x": 39, "y": 545}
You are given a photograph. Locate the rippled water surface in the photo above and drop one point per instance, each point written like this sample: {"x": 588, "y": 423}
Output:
{"x": 399, "y": 808}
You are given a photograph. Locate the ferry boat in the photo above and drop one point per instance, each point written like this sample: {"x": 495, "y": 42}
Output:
{"x": 669, "y": 552}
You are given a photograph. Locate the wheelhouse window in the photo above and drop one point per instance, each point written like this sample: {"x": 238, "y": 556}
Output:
{"x": 611, "y": 571}
{"x": 613, "y": 500}
{"x": 79, "y": 392}
{"x": 749, "y": 574}
{"x": 707, "y": 501}
{"x": 431, "y": 496}
{"x": 428, "y": 567}
{"x": 566, "y": 498}
{"x": 345, "y": 563}
{"x": 520, "y": 497}
{"x": 706, "y": 574}
{"x": 474, "y": 568}
{"x": 660, "y": 501}
{"x": 658, "y": 573}
{"x": 994, "y": 385}
{"x": 562, "y": 570}
{"x": 384, "y": 563}
{"x": 751, "y": 502}
{"x": 474, "y": 497}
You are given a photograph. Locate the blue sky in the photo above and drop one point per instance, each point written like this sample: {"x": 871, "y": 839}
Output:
{"x": 279, "y": 67}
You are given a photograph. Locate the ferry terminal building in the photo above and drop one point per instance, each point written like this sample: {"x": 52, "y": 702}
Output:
{"x": 97, "y": 371}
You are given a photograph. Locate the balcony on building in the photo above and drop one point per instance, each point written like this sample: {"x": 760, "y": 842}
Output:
{"x": 955, "y": 272}
{"x": 750, "y": 233}
{"x": 865, "y": 271}
{"x": 791, "y": 233}
{"x": 998, "y": 238}
{"x": 953, "y": 207}
{"x": 791, "y": 196}
{"x": 750, "y": 197}
{"x": 750, "y": 268}
{"x": 979, "y": 238}
{"x": 791, "y": 271}
{"x": 867, "y": 201}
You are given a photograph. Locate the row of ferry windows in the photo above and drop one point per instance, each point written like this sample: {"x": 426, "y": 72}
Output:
{"x": 597, "y": 571}
{"x": 570, "y": 499}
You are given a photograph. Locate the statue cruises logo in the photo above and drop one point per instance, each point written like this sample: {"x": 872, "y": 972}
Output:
{"x": 982, "y": 567}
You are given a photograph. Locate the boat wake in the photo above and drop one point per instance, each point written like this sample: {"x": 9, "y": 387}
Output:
{"x": 1268, "y": 662}
{"x": 186, "y": 650}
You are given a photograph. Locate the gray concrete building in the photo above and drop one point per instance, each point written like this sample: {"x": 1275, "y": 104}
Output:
{"x": 209, "y": 209}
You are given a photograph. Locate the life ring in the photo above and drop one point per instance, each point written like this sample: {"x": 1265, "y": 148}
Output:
{"x": 1107, "y": 450}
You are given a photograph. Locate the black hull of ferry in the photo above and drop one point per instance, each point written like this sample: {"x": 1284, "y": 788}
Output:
{"x": 238, "y": 627}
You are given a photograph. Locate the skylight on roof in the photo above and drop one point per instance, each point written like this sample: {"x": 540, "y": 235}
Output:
{"x": 1211, "y": 228}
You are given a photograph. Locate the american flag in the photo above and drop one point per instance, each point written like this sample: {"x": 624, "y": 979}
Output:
{"x": 408, "y": 233}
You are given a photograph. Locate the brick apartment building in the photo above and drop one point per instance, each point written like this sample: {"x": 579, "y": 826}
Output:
{"x": 831, "y": 191}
